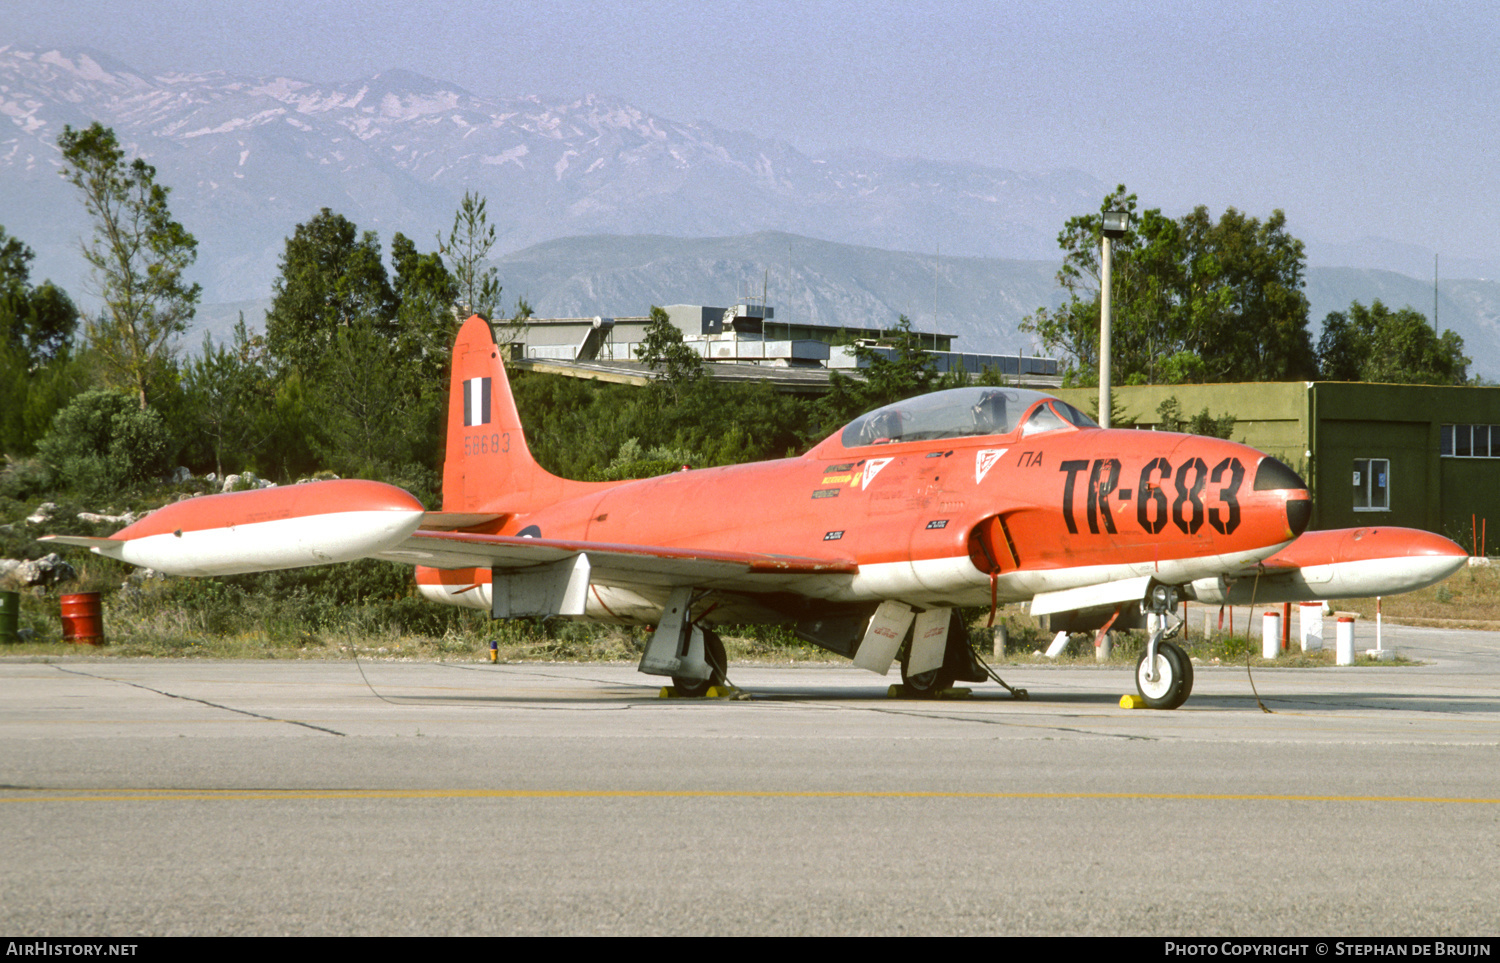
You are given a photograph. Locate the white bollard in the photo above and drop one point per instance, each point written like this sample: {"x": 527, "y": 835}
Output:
{"x": 1209, "y": 629}
{"x": 1057, "y": 646}
{"x": 1380, "y": 652}
{"x": 1002, "y": 640}
{"x": 1270, "y": 635}
{"x": 1310, "y": 626}
{"x": 1103, "y": 646}
{"x": 1345, "y": 641}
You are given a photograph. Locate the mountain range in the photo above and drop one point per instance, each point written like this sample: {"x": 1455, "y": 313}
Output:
{"x": 600, "y": 207}
{"x": 249, "y": 158}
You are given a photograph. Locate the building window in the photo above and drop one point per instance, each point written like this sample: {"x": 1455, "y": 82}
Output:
{"x": 1471, "y": 441}
{"x": 1372, "y": 485}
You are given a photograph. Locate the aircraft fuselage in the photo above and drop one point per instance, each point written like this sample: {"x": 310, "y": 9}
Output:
{"x": 930, "y": 521}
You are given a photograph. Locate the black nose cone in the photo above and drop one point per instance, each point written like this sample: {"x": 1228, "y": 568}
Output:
{"x": 1298, "y": 514}
{"x": 1273, "y": 476}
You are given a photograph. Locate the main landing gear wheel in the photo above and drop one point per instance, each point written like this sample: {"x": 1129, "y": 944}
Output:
{"x": 958, "y": 664}
{"x": 718, "y": 662}
{"x": 1174, "y": 677}
{"x": 926, "y": 685}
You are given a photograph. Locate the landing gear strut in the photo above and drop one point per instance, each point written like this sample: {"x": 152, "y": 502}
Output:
{"x": 1164, "y": 673}
{"x": 689, "y": 653}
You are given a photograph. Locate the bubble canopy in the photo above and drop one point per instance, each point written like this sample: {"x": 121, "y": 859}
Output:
{"x": 963, "y": 413}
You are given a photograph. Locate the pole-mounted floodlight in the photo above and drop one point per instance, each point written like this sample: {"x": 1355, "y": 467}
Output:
{"x": 1116, "y": 223}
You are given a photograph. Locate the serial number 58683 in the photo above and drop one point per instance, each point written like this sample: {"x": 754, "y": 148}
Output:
{"x": 494, "y": 443}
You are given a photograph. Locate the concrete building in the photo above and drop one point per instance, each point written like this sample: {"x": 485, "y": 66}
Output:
{"x": 749, "y": 334}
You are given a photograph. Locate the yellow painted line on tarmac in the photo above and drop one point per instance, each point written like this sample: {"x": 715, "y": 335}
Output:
{"x": 169, "y": 795}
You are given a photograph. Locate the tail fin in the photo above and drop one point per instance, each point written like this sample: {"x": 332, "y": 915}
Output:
{"x": 489, "y": 467}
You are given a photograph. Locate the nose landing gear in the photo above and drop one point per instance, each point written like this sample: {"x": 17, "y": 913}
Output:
{"x": 1164, "y": 673}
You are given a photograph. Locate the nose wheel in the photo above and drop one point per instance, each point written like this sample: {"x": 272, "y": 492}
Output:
{"x": 1167, "y": 681}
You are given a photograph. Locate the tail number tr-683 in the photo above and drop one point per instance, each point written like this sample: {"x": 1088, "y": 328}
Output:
{"x": 1161, "y": 494}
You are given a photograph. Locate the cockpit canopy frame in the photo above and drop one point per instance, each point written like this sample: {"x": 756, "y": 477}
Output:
{"x": 963, "y": 413}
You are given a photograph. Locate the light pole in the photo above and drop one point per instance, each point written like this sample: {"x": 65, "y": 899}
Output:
{"x": 1116, "y": 223}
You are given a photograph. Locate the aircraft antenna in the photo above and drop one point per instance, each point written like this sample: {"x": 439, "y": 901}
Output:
{"x": 937, "y": 268}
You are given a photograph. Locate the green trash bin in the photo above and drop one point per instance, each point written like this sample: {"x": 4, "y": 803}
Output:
{"x": 10, "y": 617}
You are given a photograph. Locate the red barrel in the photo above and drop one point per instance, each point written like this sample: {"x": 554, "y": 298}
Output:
{"x": 82, "y": 618}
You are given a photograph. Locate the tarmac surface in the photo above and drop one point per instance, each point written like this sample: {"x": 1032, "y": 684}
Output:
{"x": 193, "y": 797}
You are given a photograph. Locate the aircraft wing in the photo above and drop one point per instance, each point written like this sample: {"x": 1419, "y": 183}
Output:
{"x": 625, "y": 565}
{"x": 336, "y": 521}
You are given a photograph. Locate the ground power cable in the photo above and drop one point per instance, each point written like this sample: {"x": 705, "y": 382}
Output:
{"x": 1020, "y": 695}
{"x": 354, "y": 650}
{"x": 1254, "y": 591}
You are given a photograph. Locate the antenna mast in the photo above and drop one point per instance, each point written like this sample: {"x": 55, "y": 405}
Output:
{"x": 937, "y": 268}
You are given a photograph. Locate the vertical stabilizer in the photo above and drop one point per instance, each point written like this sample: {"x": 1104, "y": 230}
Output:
{"x": 488, "y": 466}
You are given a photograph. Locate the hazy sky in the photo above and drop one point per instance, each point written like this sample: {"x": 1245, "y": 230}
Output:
{"x": 1357, "y": 118}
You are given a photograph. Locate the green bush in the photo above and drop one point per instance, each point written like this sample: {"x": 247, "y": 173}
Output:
{"x": 103, "y": 441}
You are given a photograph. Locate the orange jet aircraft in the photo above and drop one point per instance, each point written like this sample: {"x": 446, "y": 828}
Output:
{"x": 968, "y": 497}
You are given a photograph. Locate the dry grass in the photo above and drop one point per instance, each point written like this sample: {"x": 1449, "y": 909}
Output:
{"x": 137, "y": 628}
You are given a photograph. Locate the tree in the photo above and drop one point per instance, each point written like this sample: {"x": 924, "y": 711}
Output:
{"x": 1169, "y": 418}
{"x": 907, "y": 372}
{"x": 1246, "y": 315}
{"x": 230, "y": 396}
{"x": 372, "y": 420}
{"x": 38, "y": 321}
{"x": 597, "y": 431}
{"x": 331, "y": 277}
{"x": 426, "y": 327}
{"x": 138, "y": 253}
{"x": 468, "y": 246}
{"x": 360, "y": 362}
{"x": 425, "y": 293}
{"x": 37, "y": 374}
{"x": 1194, "y": 300}
{"x": 1394, "y": 347}
{"x": 677, "y": 366}
{"x": 1342, "y": 348}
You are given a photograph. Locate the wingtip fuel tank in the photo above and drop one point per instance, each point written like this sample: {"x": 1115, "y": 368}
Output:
{"x": 317, "y": 523}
